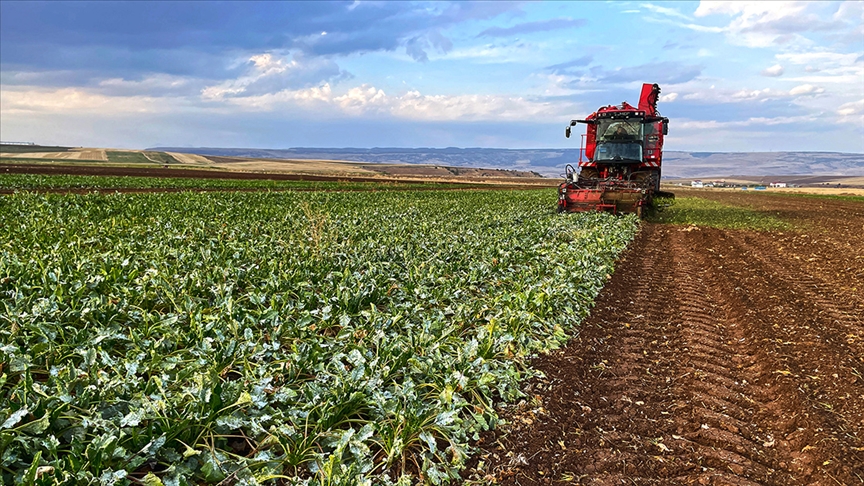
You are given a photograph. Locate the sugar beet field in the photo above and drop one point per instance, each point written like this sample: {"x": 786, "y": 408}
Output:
{"x": 278, "y": 338}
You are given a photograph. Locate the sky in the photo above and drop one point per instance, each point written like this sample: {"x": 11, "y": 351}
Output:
{"x": 735, "y": 76}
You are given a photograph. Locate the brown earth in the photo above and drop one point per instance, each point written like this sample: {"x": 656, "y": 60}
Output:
{"x": 100, "y": 170}
{"x": 219, "y": 173}
{"x": 712, "y": 357}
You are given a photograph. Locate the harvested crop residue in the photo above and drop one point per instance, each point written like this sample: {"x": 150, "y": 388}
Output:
{"x": 192, "y": 159}
{"x": 71, "y": 154}
{"x": 712, "y": 357}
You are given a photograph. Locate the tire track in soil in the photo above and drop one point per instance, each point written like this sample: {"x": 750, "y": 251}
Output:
{"x": 677, "y": 377}
{"x": 821, "y": 356}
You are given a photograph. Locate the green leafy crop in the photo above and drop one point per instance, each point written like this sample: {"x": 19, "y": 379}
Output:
{"x": 278, "y": 338}
{"x": 704, "y": 212}
{"x": 37, "y": 181}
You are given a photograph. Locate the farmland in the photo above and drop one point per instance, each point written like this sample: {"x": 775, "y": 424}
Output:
{"x": 370, "y": 333}
{"x": 288, "y": 337}
{"x": 728, "y": 348}
{"x": 66, "y": 183}
{"x": 101, "y": 161}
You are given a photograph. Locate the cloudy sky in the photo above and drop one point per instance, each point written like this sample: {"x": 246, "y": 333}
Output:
{"x": 735, "y": 76}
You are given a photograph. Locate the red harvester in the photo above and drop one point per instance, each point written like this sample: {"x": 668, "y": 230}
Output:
{"x": 624, "y": 150}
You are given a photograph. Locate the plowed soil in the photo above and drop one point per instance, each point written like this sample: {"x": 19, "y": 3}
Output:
{"x": 415, "y": 178}
{"x": 101, "y": 170}
{"x": 712, "y": 357}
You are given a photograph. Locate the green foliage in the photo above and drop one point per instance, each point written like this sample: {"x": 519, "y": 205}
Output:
{"x": 278, "y": 338}
{"x": 704, "y": 212}
{"x": 161, "y": 158}
{"x": 834, "y": 197}
{"x": 23, "y": 149}
{"x": 127, "y": 157}
{"x": 37, "y": 181}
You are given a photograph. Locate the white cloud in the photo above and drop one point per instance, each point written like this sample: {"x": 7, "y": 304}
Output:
{"x": 671, "y": 12}
{"x": 850, "y": 10}
{"x": 756, "y": 94}
{"x": 750, "y": 122}
{"x": 847, "y": 80}
{"x": 806, "y": 89}
{"x": 851, "y": 108}
{"x": 821, "y": 58}
{"x": 749, "y": 95}
{"x": 268, "y": 73}
{"x": 473, "y": 107}
{"x": 269, "y": 101}
{"x": 264, "y": 65}
{"x": 155, "y": 81}
{"x": 773, "y": 71}
{"x": 362, "y": 99}
{"x": 26, "y": 99}
{"x": 844, "y": 71}
{"x": 668, "y": 98}
{"x": 366, "y": 99}
{"x": 685, "y": 25}
{"x": 765, "y": 24}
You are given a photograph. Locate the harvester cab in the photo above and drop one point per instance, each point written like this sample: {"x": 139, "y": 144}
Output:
{"x": 620, "y": 158}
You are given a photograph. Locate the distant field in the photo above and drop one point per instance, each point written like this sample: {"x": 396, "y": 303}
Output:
{"x": 190, "y": 158}
{"x": 314, "y": 167}
{"x": 161, "y": 157}
{"x": 129, "y": 157}
{"x": 73, "y": 154}
{"x": 75, "y": 182}
{"x": 833, "y": 191}
{"x": 4, "y": 148}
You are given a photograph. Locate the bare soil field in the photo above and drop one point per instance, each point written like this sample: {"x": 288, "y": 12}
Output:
{"x": 336, "y": 167}
{"x": 713, "y": 356}
{"x": 328, "y": 168}
{"x": 97, "y": 170}
{"x": 844, "y": 190}
{"x": 192, "y": 159}
{"x": 71, "y": 154}
{"x": 216, "y": 172}
{"x": 805, "y": 183}
{"x": 107, "y": 170}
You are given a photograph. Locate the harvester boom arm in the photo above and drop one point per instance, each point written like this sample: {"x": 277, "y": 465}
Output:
{"x": 648, "y": 99}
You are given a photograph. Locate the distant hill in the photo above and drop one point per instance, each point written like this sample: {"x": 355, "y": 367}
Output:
{"x": 707, "y": 164}
{"x": 551, "y": 162}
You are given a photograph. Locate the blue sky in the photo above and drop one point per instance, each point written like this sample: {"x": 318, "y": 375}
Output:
{"x": 735, "y": 76}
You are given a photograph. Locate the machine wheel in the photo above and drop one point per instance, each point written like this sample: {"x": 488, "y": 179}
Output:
{"x": 589, "y": 173}
{"x": 652, "y": 175}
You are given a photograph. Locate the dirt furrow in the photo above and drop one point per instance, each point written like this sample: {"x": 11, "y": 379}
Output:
{"x": 740, "y": 447}
{"x": 815, "y": 355}
{"x": 686, "y": 373}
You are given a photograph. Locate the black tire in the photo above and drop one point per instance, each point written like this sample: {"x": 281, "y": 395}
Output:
{"x": 589, "y": 173}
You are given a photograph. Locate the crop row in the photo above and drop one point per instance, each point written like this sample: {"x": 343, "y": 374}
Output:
{"x": 291, "y": 338}
{"x": 37, "y": 181}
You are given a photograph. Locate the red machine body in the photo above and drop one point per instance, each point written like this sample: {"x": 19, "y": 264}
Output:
{"x": 623, "y": 155}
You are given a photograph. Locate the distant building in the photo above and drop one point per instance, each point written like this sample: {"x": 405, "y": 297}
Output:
{"x": 696, "y": 184}
{"x": 777, "y": 184}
